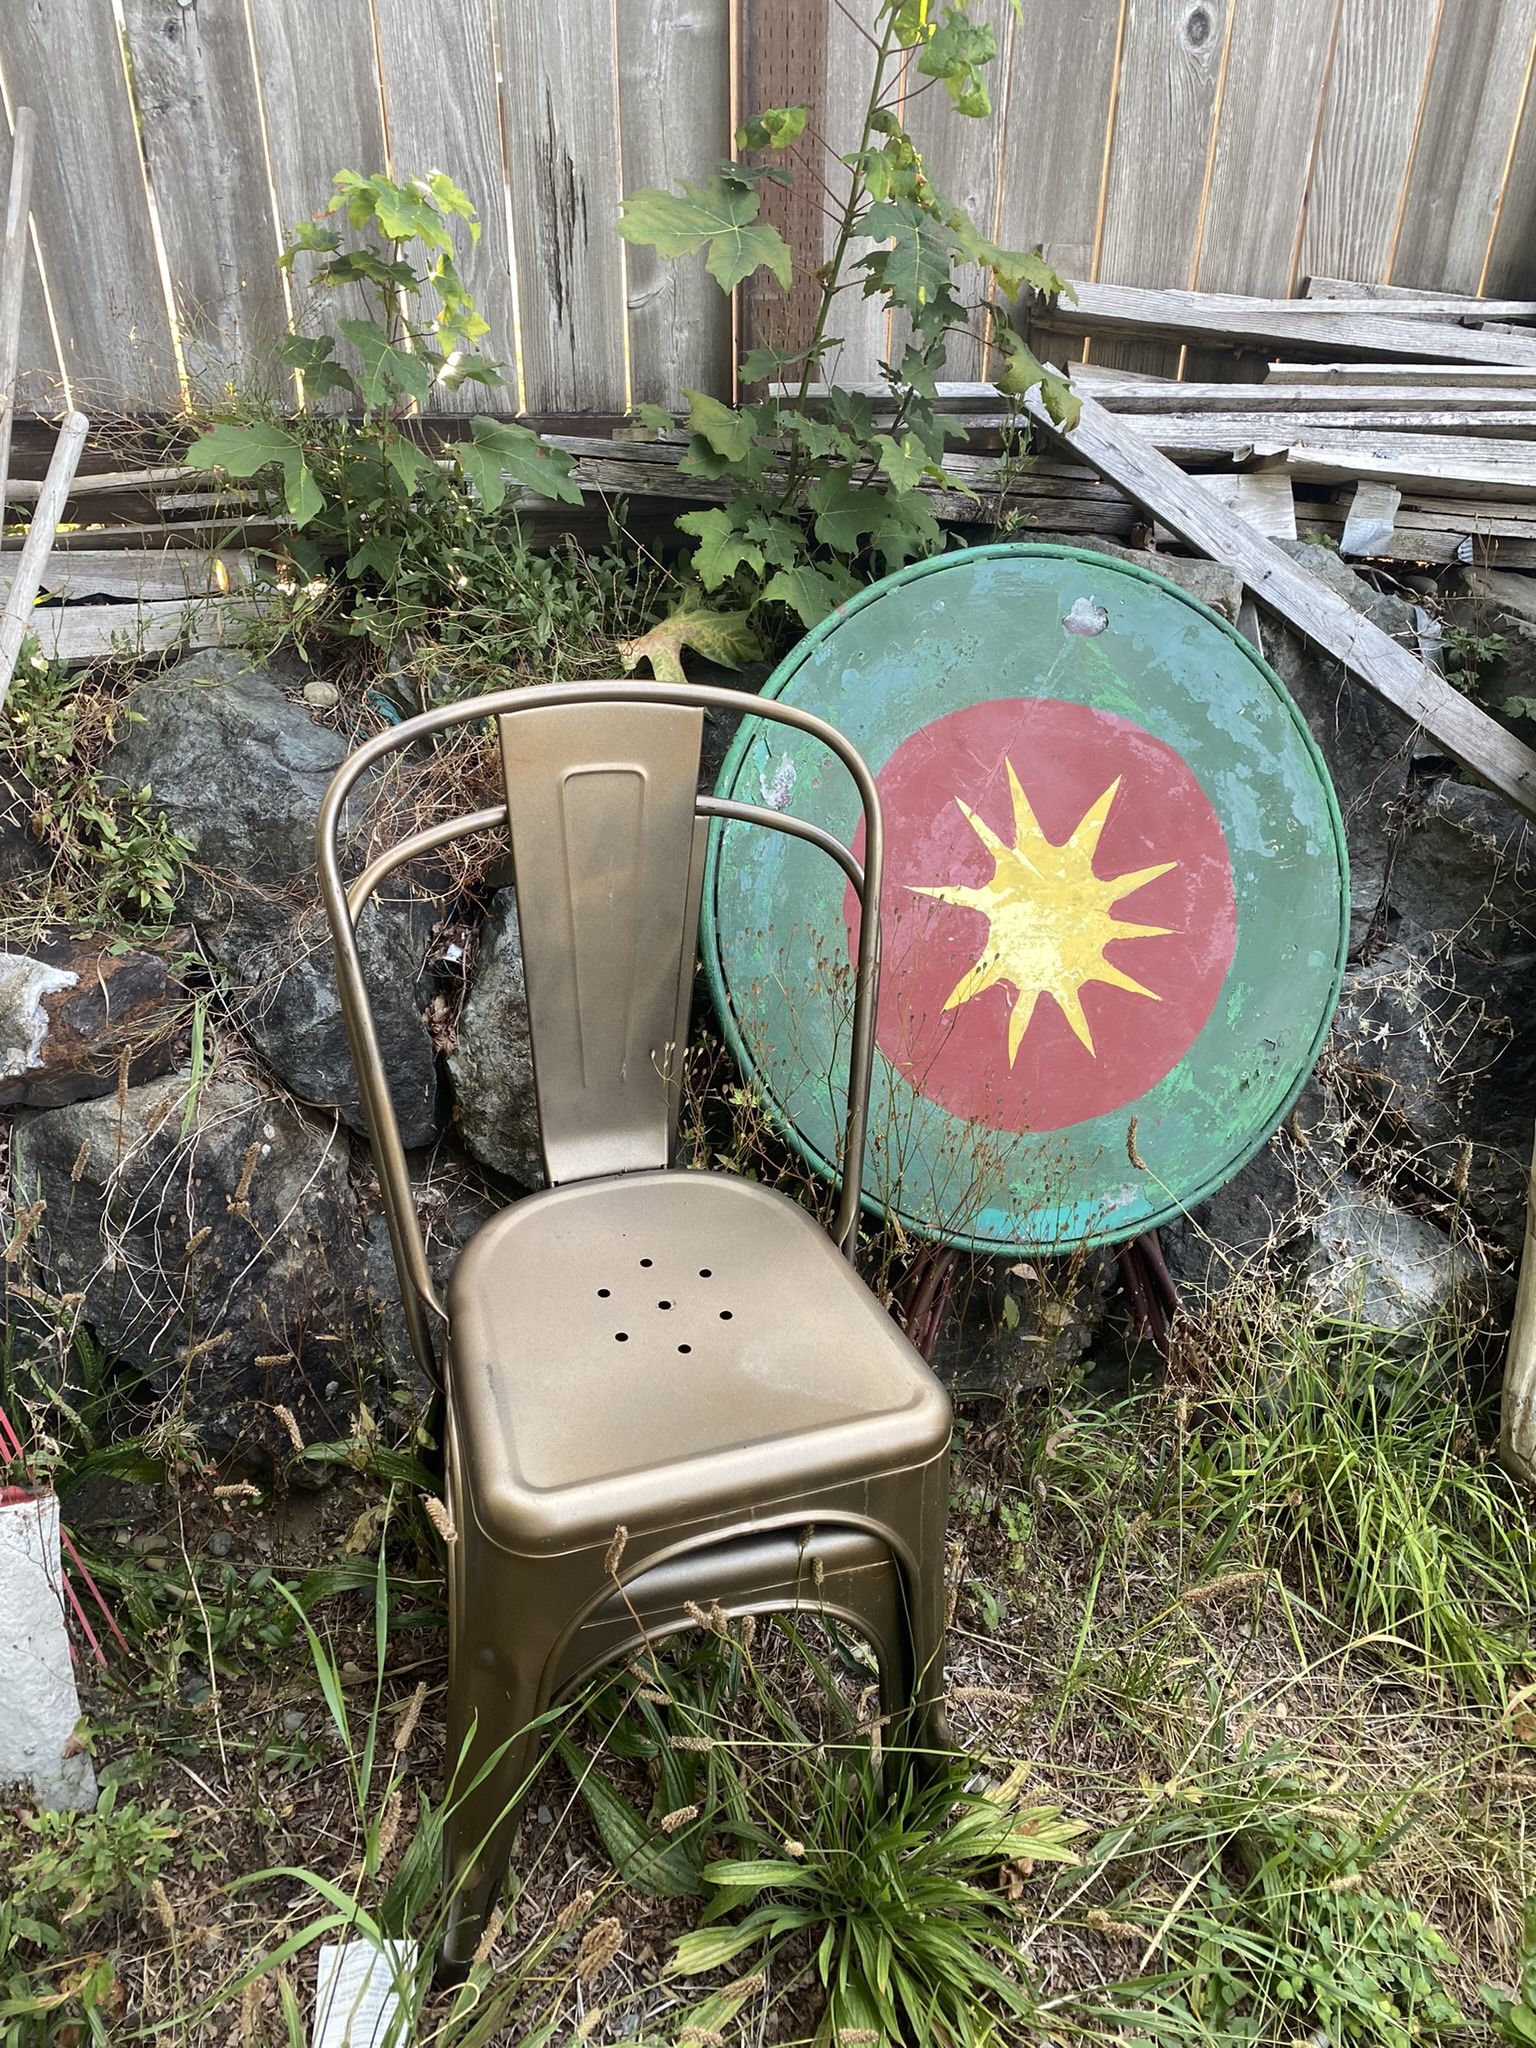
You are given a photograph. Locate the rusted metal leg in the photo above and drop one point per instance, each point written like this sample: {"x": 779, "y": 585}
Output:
{"x": 1153, "y": 1293}
{"x": 926, "y": 1297}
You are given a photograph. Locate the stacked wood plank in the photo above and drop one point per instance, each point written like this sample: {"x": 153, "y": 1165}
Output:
{"x": 1403, "y": 423}
{"x": 1400, "y": 426}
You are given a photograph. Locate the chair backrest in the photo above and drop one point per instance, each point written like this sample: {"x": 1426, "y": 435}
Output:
{"x": 608, "y": 839}
{"x": 600, "y": 803}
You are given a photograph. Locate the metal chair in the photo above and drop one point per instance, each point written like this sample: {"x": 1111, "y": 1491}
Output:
{"x": 663, "y": 1389}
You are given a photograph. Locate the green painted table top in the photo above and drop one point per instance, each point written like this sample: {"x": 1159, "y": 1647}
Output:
{"x": 1115, "y": 904}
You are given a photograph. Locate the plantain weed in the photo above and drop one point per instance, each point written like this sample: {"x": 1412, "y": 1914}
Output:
{"x": 856, "y": 1863}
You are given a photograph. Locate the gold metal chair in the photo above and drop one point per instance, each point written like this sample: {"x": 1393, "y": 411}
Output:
{"x": 683, "y": 1357}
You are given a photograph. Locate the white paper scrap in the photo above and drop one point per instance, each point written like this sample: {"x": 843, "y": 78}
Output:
{"x": 357, "y": 2003}
{"x": 39, "y": 1705}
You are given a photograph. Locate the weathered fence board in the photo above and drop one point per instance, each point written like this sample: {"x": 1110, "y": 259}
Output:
{"x": 861, "y": 322}
{"x": 1379, "y": 77}
{"x": 320, "y": 90}
{"x": 675, "y": 108}
{"x": 89, "y": 204}
{"x": 1060, "y": 109}
{"x": 200, "y": 120}
{"x": 1473, "y": 102}
{"x": 38, "y": 382}
{"x": 1236, "y": 145}
{"x": 1170, "y": 78}
{"x": 437, "y": 69}
{"x": 965, "y": 160}
{"x": 1511, "y": 263}
{"x": 560, "y": 91}
{"x": 1277, "y": 62}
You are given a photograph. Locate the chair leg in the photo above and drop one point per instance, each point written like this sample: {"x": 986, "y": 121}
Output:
{"x": 923, "y": 1520}
{"x": 930, "y": 1605}
{"x": 498, "y": 1688}
{"x": 499, "y": 1746}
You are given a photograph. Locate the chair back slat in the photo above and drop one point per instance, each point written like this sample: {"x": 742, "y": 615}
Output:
{"x": 600, "y": 802}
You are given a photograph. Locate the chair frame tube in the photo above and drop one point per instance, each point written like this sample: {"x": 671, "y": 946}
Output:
{"x": 345, "y": 903}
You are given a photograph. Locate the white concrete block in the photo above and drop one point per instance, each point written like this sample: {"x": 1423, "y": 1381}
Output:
{"x": 357, "y": 2002}
{"x": 38, "y": 1702}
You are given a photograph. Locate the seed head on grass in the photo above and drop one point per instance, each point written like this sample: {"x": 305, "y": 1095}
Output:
{"x": 488, "y": 1939}
{"x": 411, "y": 1716}
{"x": 599, "y": 1946}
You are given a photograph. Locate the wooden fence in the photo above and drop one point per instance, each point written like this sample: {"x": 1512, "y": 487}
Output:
{"x": 1236, "y": 145}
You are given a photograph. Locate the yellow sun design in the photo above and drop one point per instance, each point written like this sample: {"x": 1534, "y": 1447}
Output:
{"x": 1050, "y": 916}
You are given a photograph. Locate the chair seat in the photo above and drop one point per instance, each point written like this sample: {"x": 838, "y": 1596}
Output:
{"x": 662, "y": 1344}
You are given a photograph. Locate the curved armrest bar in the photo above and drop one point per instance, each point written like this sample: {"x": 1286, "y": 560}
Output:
{"x": 343, "y": 905}
{"x": 400, "y": 1206}
{"x": 780, "y": 821}
{"x": 426, "y": 841}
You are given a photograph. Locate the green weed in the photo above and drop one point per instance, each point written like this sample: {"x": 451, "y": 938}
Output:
{"x": 876, "y": 1872}
{"x": 115, "y": 864}
{"x": 67, "y": 1873}
{"x": 1514, "y": 2017}
{"x": 1363, "y": 1476}
{"x": 1279, "y": 1930}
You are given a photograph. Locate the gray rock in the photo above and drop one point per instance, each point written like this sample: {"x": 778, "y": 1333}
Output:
{"x": 1496, "y": 605}
{"x": 492, "y": 1064}
{"x": 1377, "y": 1265}
{"x": 73, "y": 1016}
{"x": 1465, "y": 866}
{"x": 210, "y": 1237}
{"x": 1406, "y": 1044}
{"x": 239, "y": 770}
{"x": 23, "y": 859}
{"x": 452, "y": 1201}
{"x": 1369, "y": 749}
{"x": 1432, "y": 1068}
{"x": 1267, "y": 1213}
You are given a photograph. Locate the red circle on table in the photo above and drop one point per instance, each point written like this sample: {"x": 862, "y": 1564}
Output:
{"x": 1066, "y": 757}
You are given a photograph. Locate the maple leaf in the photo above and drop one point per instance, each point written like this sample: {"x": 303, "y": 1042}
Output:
{"x": 723, "y": 637}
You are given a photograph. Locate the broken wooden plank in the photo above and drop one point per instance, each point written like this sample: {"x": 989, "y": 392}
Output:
{"x": 1451, "y": 377}
{"x": 107, "y": 482}
{"x": 75, "y": 634}
{"x": 32, "y": 563}
{"x": 1466, "y": 733}
{"x": 1322, "y": 325}
{"x": 141, "y": 574}
{"x": 1433, "y": 436}
{"x": 191, "y": 537}
{"x": 1263, "y": 497}
{"x": 1472, "y": 468}
{"x": 14, "y": 251}
{"x": 1359, "y": 288}
{"x": 1517, "y": 1408}
{"x": 1482, "y": 514}
{"x": 1427, "y": 547}
{"x": 1372, "y": 516}
{"x": 1456, "y": 405}
{"x": 1407, "y": 303}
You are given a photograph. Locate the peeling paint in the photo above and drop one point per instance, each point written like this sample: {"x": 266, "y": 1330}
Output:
{"x": 24, "y": 982}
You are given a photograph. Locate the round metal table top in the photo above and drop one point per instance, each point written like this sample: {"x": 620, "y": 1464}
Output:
{"x": 1115, "y": 905}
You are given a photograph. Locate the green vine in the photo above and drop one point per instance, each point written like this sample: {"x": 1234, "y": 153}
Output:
{"x": 828, "y": 483}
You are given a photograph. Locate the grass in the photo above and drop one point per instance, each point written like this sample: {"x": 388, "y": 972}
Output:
{"x": 1238, "y": 1662}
